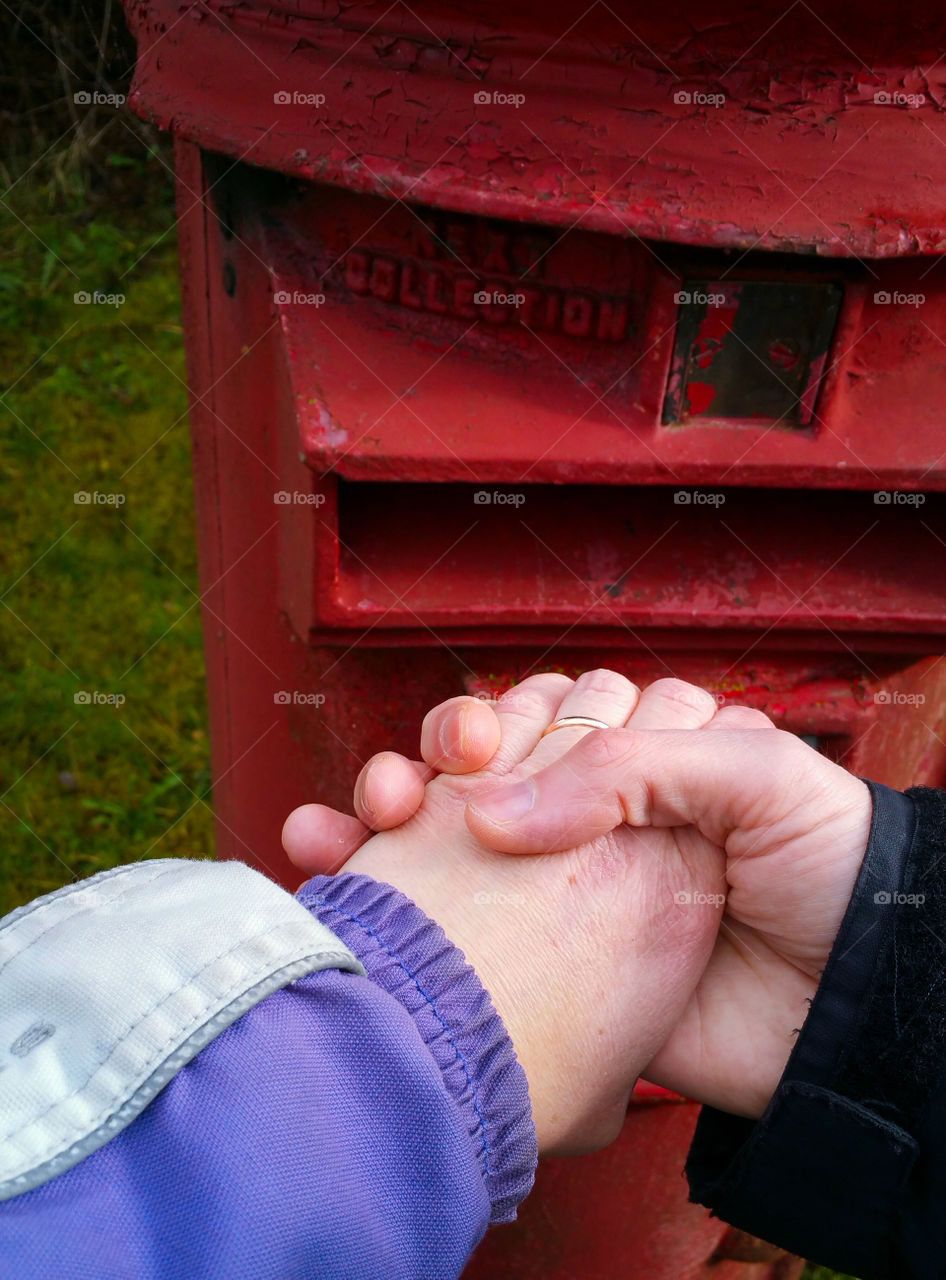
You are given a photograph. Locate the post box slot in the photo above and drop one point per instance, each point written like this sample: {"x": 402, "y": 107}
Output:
{"x": 439, "y": 560}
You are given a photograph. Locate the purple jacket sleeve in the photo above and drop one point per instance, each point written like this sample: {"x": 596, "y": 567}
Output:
{"x": 365, "y": 1128}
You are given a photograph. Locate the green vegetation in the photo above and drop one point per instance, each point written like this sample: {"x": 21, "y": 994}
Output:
{"x": 98, "y": 598}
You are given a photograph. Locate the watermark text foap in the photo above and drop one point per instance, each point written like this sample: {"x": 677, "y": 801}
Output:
{"x": 486, "y": 498}
{"x": 96, "y": 698}
{"x": 296, "y": 298}
{"x": 697, "y": 98}
{"x": 296, "y": 98}
{"x": 896, "y": 98}
{"x": 695, "y": 297}
{"x": 897, "y": 698}
{"x": 886, "y": 298}
{"x": 698, "y": 498}
{"x": 494, "y": 898}
{"x": 93, "y": 98}
{"x": 98, "y": 299}
{"x": 93, "y": 897}
{"x": 686, "y": 898}
{"x": 496, "y": 298}
{"x": 297, "y": 498}
{"x": 298, "y": 698}
{"x": 495, "y": 97}
{"x": 898, "y": 498}
{"x": 510, "y": 699}
{"x": 84, "y": 498}
{"x": 892, "y": 898}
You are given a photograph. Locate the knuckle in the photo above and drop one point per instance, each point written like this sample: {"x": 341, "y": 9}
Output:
{"x": 543, "y": 681}
{"x": 604, "y": 681}
{"x": 744, "y": 718}
{"x": 671, "y": 689}
{"x": 784, "y": 751}
{"x": 532, "y": 696}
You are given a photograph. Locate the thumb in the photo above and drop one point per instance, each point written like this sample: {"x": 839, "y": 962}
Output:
{"x": 717, "y": 782}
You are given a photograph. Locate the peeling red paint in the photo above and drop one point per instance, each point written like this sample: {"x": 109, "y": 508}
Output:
{"x": 700, "y": 395}
{"x": 812, "y": 162}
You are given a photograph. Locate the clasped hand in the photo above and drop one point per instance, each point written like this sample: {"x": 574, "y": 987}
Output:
{"x": 687, "y": 871}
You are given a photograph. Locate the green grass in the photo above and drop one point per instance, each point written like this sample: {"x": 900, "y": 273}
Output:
{"x": 96, "y": 598}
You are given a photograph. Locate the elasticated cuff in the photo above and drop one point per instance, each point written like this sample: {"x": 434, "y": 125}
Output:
{"x": 408, "y": 955}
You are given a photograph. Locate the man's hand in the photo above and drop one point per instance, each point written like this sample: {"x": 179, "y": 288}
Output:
{"x": 794, "y": 827}
{"x": 587, "y": 958}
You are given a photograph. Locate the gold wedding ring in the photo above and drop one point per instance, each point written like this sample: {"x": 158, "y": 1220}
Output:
{"x": 584, "y": 722}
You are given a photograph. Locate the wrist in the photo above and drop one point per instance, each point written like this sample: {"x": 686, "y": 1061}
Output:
{"x": 407, "y": 954}
{"x": 501, "y": 976}
{"x": 492, "y": 931}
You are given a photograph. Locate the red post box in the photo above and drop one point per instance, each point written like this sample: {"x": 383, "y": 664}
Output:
{"x": 529, "y": 340}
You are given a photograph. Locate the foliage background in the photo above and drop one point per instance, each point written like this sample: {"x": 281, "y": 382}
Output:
{"x": 95, "y": 598}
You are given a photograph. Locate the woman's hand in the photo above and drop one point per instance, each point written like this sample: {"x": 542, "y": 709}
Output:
{"x": 586, "y": 955}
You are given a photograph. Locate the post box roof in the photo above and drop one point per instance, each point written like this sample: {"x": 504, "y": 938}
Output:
{"x": 774, "y": 128}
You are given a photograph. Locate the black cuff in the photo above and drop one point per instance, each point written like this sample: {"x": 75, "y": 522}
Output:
{"x": 825, "y": 1171}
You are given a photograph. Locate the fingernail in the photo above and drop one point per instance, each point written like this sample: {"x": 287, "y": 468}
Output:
{"x": 507, "y": 804}
{"x": 366, "y": 809}
{"x": 453, "y": 735}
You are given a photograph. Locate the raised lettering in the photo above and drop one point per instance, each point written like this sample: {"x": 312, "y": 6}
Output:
{"x": 409, "y": 295}
{"x": 553, "y": 306}
{"x": 457, "y": 236}
{"x": 383, "y": 280}
{"x": 434, "y": 298}
{"x": 464, "y": 288}
{"x": 440, "y": 291}
{"x": 494, "y": 312}
{"x": 612, "y": 319}
{"x": 496, "y": 257}
{"x": 356, "y": 270}
{"x": 423, "y": 243}
{"x": 533, "y": 300}
{"x": 576, "y": 316}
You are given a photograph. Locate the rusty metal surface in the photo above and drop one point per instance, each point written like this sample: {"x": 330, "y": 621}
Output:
{"x": 625, "y": 114}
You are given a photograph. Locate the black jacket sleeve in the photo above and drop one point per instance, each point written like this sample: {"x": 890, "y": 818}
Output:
{"x": 848, "y": 1164}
